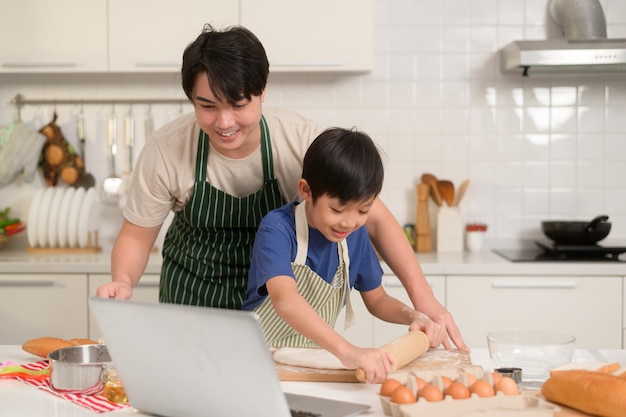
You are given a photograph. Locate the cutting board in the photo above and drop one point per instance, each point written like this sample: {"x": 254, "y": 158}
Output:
{"x": 433, "y": 359}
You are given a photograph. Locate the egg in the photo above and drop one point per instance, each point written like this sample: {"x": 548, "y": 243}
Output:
{"x": 430, "y": 392}
{"x": 482, "y": 388}
{"x": 507, "y": 386}
{"x": 403, "y": 395}
{"x": 471, "y": 378}
{"x": 457, "y": 390}
{"x": 420, "y": 382}
{"x": 446, "y": 381}
{"x": 388, "y": 386}
{"x": 496, "y": 377}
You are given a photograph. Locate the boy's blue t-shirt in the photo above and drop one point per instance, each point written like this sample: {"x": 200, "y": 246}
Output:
{"x": 275, "y": 248}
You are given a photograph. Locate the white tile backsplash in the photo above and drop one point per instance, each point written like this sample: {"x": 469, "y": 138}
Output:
{"x": 435, "y": 101}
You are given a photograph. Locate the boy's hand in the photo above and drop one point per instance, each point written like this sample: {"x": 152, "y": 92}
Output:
{"x": 375, "y": 363}
{"x": 435, "y": 332}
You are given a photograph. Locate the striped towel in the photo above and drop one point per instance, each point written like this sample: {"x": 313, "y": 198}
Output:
{"x": 96, "y": 403}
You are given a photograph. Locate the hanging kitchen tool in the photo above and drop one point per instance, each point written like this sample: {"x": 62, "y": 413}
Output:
{"x": 129, "y": 140}
{"x": 86, "y": 180}
{"x": 148, "y": 123}
{"x": 112, "y": 185}
{"x": 461, "y": 192}
{"x": 446, "y": 190}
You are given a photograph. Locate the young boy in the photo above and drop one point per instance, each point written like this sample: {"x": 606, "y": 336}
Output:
{"x": 307, "y": 257}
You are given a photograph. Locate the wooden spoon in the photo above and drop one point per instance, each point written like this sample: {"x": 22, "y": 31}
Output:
{"x": 446, "y": 190}
{"x": 431, "y": 180}
{"x": 459, "y": 195}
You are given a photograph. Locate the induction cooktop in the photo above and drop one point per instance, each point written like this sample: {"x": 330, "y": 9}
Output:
{"x": 552, "y": 252}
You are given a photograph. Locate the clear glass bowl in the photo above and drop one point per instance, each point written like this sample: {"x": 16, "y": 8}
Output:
{"x": 534, "y": 351}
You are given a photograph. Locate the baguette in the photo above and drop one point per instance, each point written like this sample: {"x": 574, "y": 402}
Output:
{"x": 42, "y": 346}
{"x": 598, "y": 393}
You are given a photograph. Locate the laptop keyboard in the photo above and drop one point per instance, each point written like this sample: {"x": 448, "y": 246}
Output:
{"x": 302, "y": 413}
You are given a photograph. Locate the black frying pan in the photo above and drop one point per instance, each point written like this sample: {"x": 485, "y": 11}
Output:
{"x": 577, "y": 232}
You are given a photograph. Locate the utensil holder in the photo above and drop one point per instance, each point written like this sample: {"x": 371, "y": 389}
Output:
{"x": 449, "y": 230}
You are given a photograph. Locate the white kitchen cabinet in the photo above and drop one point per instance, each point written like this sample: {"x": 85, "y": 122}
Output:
{"x": 147, "y": 291}
{"x": 53, "y": 36}
{"x": 149, "y": 36}
{"x": 590, "y": 307}
{"x": 386, "y": 332}
{"x": 323, "y": 35}
{"x": 40, "y": 305}
{"x": 369, "y": 331}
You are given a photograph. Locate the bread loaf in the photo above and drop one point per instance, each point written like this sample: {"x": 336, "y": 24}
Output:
{"x": 42, "y": 346}
{"x": 598, "y": 393}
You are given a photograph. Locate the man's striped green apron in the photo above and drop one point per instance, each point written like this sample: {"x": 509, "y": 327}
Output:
{"x": 327, "y": 299}
{"x": 207, "y": 249}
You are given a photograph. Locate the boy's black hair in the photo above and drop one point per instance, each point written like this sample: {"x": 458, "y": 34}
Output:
{"x": 234, "y": 61}
{"x": 343, "y": 164}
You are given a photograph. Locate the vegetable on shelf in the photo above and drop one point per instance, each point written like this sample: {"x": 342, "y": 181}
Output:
{"x": 10, "y": 226}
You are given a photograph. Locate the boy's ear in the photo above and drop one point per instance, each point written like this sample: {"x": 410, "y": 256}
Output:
{"x": 304, "y": 189}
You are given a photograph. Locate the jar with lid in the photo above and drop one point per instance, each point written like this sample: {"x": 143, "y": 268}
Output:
{"x": 113, "y": 389}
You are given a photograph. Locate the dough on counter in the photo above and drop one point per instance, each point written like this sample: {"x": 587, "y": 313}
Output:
{"x": 307, "y": 357}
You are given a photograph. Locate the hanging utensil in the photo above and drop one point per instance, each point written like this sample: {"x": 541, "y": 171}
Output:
{"x": 129, "y": 136}
{"x": 112, "y": 185}
{"x": 86, "y": 180}
{"x": 148, "y": 123}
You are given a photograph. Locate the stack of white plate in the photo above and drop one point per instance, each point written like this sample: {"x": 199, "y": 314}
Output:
{"x": 63, "y": 217}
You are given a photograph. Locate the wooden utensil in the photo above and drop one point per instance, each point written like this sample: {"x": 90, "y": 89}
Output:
{"x": 431, "y": 180}
{"x": 461, "y": 192}
{"x": 423, "y": 238}
{"x": 404, "y": 349}
{"x": 446, "y": 190}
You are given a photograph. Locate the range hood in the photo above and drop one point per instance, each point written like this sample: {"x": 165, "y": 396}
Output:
{"x": 584, "y": 49}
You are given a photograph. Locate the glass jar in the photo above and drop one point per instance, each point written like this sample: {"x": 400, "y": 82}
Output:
{"x": 113, "y": 389}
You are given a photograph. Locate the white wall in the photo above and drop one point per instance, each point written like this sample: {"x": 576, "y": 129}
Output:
{"x": 435, "y": 101}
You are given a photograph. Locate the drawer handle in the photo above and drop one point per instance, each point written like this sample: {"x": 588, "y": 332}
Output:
{"x": 25, "y": 65}
{"x": 397, "y": 284}
{"x": 26, "y": 283}
{"x": 148, "y": 284}
{"x": 533, "y": 285}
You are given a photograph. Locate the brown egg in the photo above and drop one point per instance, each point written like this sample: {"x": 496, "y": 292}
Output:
{"x": 457, "y": 390}
{"x": 420, "y": 382}
{"x": 471, "y": 378}
{"x": 507, "y": 386}
{"x": 388, "y": 386}
{"x": 482, "y": 388}
{"x": 430, "y": 392}
{"x": 403, "y": 395}
{"x": 496, "y": 377}
{"x": 446, "y": 381}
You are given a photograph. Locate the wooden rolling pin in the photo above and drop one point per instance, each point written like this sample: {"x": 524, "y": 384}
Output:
{"x": 404, "y": 349}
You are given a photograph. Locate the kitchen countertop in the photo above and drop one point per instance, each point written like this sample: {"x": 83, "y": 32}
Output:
{"x": 20, "y": 400}
{"x": 18, "y": 261}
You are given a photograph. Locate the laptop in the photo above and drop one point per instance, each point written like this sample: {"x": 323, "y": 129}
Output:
{"x": 185, "y": 361}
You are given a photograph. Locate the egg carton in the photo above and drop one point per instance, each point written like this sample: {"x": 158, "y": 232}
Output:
{"x": 500, "y": 405}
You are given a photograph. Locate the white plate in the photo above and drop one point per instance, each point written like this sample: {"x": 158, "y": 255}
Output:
{"x": 53, "y": 218}
{"x": 87, "y": 219}
{"x": 33, "y": 215}
{"x": 72, "y": 223}
{"x": 42, "y": 217}
{"x": 64, "y": 215}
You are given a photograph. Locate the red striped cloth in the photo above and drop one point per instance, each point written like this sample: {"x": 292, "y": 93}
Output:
{"x": 96, "y": 403}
